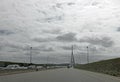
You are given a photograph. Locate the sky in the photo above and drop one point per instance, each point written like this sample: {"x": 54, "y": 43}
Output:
{"x": 51, "y": 27}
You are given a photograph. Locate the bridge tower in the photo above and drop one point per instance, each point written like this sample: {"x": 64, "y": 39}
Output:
{"x": 72, "y": 57}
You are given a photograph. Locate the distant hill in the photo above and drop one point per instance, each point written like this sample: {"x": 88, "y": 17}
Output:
{"x": 111, "y": 67}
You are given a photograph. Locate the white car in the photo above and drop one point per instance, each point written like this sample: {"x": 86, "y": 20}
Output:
{"x": 1, "y": 67}
{"x": 23, "y": 67}
{"x": 31, "y": 67}
{"x": 15, "y": 66}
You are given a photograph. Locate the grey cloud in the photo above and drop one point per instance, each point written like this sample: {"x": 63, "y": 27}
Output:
{"x": 103, "y": 41}
{"x": 68, "y": 37}
{"x": 43, "y": 48}
{"x": 6, "y": 32}
{"x": 55, "y": 18}
{"x": 95, "y": 3}
{"x": 48, "y": 49}
{"x": 118, "y": 29}
{"x": 53, "y": 31}
{"x": 96, "y": 49}
{"x": 65, "y": 47}
{"x": 11, "y": 47}
{"x": 93, "y": 49}
{"x": 43, "y": 12}
{"x": 14, "y": 45}
{"x": 1, "y": 46}
{"x": 38, "y": 49}
{"x": 12, "y": 51}
{"x": 69, "y": 47}
{"x": 43, "y": 39}
{"x": 59, "y": 5}
{"x": 71, "y": 3}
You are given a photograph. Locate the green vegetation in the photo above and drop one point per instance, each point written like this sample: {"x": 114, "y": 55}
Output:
{"x": 111, "y": 67}
{"x": 6, "y": 63}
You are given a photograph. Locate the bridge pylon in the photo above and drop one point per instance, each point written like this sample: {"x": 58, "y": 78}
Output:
{"x": 72, "y": 57}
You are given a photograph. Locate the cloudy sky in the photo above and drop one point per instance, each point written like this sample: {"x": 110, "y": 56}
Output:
{"x": 52, "y": 26}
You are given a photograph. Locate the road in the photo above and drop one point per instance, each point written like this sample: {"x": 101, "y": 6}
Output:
{"x": 59, "y": 75}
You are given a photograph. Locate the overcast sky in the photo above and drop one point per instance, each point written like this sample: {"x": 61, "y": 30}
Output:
{"x": 52, "y": 26}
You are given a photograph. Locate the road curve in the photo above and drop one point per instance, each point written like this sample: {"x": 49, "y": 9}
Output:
{"x": 59, "y": 75}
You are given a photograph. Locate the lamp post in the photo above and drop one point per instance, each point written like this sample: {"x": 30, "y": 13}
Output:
{"x": 30, "y": 55}
{"x": 87, "y": 54}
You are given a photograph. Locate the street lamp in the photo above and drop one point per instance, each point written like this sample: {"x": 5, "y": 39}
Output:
{"x": 87, "y": 54}
{"x": 30, "y": 55}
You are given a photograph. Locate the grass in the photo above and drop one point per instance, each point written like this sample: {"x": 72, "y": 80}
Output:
{"x": 111, "y": 67}
{"x": 17, "y": 71}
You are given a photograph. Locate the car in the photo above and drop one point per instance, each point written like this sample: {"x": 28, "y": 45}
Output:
{"x": 31, "y": 67}
{"x": 39, "y": 67}
{"x": 15, "y": 66}
{"x": 1, "y": 67}
{"x": 23, "y": 67}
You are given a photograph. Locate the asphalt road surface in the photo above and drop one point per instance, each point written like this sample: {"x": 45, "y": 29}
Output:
{"x": 59, "y": 75}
